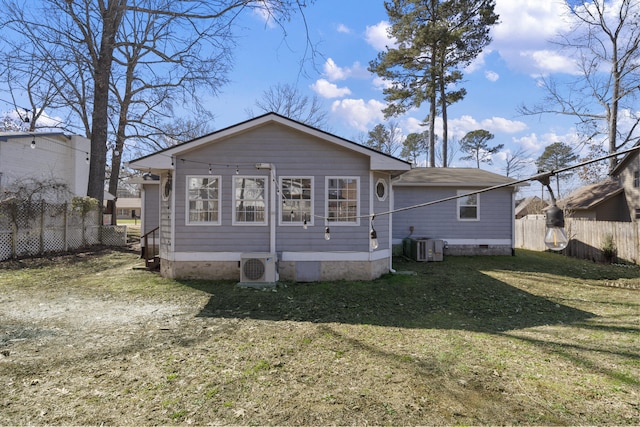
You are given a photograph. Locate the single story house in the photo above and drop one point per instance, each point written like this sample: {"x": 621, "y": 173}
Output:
{"x": 128, "y": 207}
{"x": 272, "y": 198}
{"x": 474, "y": 224}
{"x": 603, "y": 201}
{"x": 532, "y": 205}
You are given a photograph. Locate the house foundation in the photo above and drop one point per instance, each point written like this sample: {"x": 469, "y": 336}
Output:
{"x": 294, "y": 271}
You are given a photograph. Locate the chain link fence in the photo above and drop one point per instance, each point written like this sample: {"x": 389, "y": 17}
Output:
{"x": 36, "y": 228}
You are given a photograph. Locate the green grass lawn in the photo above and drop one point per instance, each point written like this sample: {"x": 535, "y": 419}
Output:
{"x": 533, "y": 339}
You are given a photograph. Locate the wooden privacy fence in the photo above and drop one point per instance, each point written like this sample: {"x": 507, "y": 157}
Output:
{"x": 588, "y": 239}
{"x": 29, "y": 229}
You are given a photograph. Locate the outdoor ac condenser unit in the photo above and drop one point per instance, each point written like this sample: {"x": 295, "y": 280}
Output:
{"x": 258, "y": 268}
{"x": 429, "y": 250}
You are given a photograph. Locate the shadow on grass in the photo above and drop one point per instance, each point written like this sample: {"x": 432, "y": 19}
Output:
{"x": 440, "y": 298}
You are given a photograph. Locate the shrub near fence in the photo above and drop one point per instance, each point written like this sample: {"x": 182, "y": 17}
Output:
{"x": 588, "y": 239}
{"x": 35, "y": 228}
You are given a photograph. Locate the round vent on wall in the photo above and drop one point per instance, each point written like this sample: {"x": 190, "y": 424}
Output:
{"x": 253, "y": 268}
{"x": 381, "y": 190}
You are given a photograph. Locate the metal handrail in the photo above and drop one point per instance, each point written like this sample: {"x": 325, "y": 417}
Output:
{"x": 150, "y": 252}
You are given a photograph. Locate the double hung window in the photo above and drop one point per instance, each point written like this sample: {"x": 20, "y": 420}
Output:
{"x": 468, "y": 206}
{"x": 250, "y": 200}
{"x": 203, "y": 200}
{"x": 297, "y": 200}
{"x": 342, "y": 200}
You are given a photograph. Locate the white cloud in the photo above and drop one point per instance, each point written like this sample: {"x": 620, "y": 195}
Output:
{"x": 529, "y": 26}
{"x": 378, "y": 37}
{"x": 327, "y": 89}
{"x": 551, "y": 62}
{"x": 343, "y": 29}
{"x": 333, "y": 72}
{"x": 460, "y": 126}
{"x": 492, "y": 76}
{"x": 380, "y": 83}
{"x": 357, "y": 113}
{"x": 535, "y": 144}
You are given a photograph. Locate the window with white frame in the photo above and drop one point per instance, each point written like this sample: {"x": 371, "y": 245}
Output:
{"x": 203, "y": 200}
{"x": 468, "y": 206}
{"x": 297, "y": 200}
{"x": 342, "y": 200}
{"x": 250, "y": 204}
{"x": 636, "y": 179}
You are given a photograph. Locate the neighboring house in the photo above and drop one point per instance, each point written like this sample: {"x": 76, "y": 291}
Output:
{"x": 604, "y": 201}
{"x": 478, "y": 224}
{"x": 532, "y": 205}
{"x": 258, "y": 200}
{"x": 128, "y": 207}
{"x": 627, "y": 173}
{"x": 45, "y": 157}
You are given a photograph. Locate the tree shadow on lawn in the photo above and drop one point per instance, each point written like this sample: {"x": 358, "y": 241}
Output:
{"x": 476, "y": 303}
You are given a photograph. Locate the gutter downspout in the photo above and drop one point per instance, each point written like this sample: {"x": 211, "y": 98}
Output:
{"x": 272, "y": 203}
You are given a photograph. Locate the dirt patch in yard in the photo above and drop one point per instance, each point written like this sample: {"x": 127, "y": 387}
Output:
{"x": 86, "y": 338}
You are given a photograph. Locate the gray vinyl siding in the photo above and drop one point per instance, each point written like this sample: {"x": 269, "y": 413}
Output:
{"x": 380, "y": 207}
{"x": 293, "y": 154}
{"x": 151, "y": 207}
{"x": 440, "y": 220}
{"x": 631, "y": 193}
{"x": 165, "y": 219}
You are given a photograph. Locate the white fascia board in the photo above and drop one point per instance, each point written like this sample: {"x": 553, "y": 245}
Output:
{"x": 384, "y": 163}
{"x": 155, "y": 162}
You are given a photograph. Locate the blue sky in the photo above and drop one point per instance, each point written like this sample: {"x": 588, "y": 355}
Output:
{"x": 349, "y": 34}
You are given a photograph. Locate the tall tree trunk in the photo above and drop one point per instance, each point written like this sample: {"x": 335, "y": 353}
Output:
{"x": 432, "y": 109}
{"x": 445, "y": 126}
{"x": 116, "y": 159}
{"x": 112, "y": 16}
{"x": 612, "y": 112}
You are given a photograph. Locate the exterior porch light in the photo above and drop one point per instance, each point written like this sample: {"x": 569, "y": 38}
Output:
{"x": 373, "y": 236}
{"x": 555, "y": 237}
{"x": 33, "y": 143}
{"x": 327, "y": 233}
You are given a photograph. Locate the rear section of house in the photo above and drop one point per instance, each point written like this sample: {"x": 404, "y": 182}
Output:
{"x": 450, "y": 205}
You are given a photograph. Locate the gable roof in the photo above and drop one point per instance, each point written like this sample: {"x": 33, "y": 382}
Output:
{"x": 532, "y": 202}
{"x": 590, "y": 196}
{"x": 452, "y": 177}
{"x": 625, "y": 161}
{"x": 161, "y": 160}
